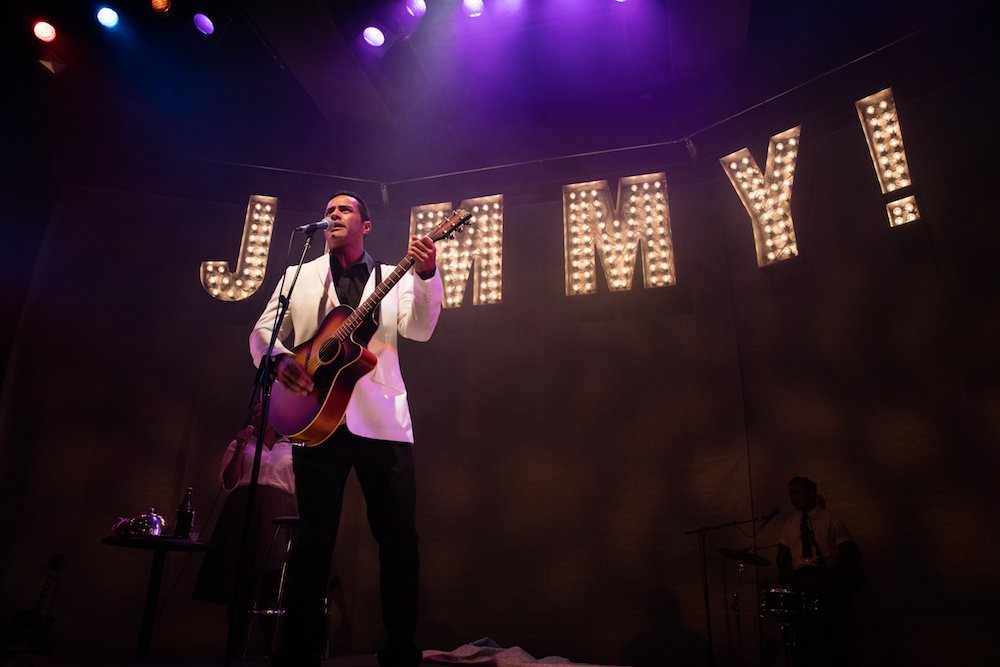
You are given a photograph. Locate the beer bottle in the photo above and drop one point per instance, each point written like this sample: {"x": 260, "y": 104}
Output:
{"x": 185, "y": 517}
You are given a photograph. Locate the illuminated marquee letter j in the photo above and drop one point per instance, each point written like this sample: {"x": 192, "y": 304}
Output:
{"x": 226, "y": 285}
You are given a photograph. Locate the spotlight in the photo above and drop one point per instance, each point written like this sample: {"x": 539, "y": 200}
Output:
{"x": 204, "y": 24}
{"x": 162, "y": 6}
{"x": 373, "y": 36}
{"x": 107, "y": 17}
{"x": 44, "y": 31}
{"x": 416, "y": 8}
{"x": 472, "y": 8}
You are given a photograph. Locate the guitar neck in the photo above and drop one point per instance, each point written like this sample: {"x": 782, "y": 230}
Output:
{"x": 53, "y": 571}
{"x": 350, "y": 325}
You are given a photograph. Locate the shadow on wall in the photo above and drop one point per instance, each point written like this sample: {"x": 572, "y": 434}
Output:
{"x": 666, "y": 641}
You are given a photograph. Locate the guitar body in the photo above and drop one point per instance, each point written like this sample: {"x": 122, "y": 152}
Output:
{"x": 337, "y": 356}
{"x": 335, "y": 367}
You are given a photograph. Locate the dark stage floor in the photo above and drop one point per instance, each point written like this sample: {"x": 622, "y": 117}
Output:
{"x": 45, "y": 661}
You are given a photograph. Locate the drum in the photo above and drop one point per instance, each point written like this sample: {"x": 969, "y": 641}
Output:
{"x": 785, "y": 603}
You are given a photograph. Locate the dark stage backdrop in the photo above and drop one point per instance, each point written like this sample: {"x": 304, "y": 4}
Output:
{"x": 564, "y": 444}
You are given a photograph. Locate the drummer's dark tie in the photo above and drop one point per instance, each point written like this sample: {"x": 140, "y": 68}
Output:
{"x": 807, "y": 546}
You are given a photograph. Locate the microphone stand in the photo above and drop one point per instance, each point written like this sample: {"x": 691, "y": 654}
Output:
{"x": 701, "y": 532}
{"x": 239, "y": 612}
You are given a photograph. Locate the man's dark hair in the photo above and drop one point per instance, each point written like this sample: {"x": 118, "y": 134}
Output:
{"x": 362, "y": 206}
{"x": 807, "y": 483}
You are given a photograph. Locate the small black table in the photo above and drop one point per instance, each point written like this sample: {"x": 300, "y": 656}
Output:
{"x": 159, "y": 546}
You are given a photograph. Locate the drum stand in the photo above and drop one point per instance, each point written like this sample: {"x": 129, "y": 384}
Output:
{"x": 789, "y": 621}
{"x": 741, "y": 556}
{"x": 788, "y": 634}
{"x": 736, "y": 613}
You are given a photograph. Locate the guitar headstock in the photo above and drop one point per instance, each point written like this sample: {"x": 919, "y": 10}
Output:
{"x": 451, "y": 225}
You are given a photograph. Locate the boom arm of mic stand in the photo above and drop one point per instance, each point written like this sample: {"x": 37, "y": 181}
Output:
{"x": 262, "y": 382}
{"x": 700, "y": 532}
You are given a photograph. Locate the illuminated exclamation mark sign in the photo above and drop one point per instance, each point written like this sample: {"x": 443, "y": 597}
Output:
{"x": 885, "y": 143}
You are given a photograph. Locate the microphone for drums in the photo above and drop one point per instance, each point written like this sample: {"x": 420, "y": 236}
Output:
{"x": 767, "y": 517}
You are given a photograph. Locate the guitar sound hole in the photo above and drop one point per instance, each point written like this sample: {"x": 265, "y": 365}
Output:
{"x": 329, "y": 351}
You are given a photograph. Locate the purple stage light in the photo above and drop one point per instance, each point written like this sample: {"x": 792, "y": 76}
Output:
{"x": 204, "y": 24}
{"x": 472, "y": 8}
{"x": 374, "y": 36}
{"x": 416, "y": 8}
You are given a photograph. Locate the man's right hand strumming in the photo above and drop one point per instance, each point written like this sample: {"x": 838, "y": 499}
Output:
{"x": 293, "y": 375}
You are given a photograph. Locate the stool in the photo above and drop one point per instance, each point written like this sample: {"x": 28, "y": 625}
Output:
{"x": 290, "y": 524}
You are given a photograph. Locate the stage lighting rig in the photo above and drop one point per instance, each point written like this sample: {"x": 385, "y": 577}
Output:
{"x": 107, "y": 17}
{"x": 204, "y": 24}
{"x": 44, "y": 31}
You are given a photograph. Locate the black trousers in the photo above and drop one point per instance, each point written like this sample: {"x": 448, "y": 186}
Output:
{"x": 386, "y": 474}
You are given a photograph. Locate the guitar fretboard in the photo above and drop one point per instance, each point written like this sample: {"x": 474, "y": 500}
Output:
{"x": 351, "y": 324}
{"x": 455, "y": 222}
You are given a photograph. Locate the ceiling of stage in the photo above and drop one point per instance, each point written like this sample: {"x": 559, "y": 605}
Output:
{"x": 285, "y": 84}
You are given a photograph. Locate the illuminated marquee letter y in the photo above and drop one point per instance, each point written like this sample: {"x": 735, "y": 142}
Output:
{"x": 767, "y": 196}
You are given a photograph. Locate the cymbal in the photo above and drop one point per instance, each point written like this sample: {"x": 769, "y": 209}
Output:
{"x": 744, "y": 556}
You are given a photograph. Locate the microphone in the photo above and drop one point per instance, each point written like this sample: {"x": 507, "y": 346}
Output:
{"x": 314, "y": 226}
{"x": 767, "y": 517}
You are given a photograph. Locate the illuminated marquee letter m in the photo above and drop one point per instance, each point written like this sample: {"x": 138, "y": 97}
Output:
{"x": 642, "y": 220}
{"x": 477, "y": 250}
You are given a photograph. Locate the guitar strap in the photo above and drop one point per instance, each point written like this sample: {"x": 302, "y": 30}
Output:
{"x": 377, "y": 315}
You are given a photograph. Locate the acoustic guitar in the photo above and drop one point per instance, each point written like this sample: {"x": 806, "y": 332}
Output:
{"x": 30, "y": 629}
{"x": 337, "y": 356}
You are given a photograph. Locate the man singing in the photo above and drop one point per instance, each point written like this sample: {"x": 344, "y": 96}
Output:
{"x": 374, "y": 439}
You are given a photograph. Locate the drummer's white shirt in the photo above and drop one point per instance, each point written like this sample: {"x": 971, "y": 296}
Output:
{"x": 829, "y": 531}
{"x": 275, "y": 465}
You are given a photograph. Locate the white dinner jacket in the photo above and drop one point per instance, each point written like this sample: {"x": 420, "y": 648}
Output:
{"x": 378, "y": 407}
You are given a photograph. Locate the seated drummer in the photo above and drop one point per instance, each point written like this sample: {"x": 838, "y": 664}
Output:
{"x": 815, "y": 543}
{"x": 818, "y": 556}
